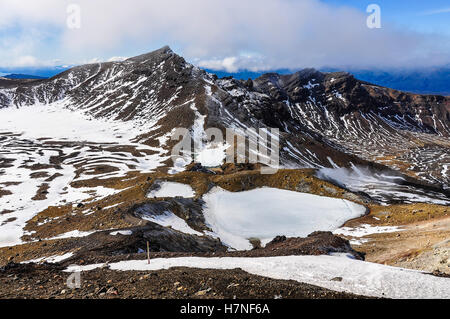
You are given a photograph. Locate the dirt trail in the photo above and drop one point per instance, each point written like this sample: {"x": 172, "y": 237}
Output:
{"x": 48, "y": 281}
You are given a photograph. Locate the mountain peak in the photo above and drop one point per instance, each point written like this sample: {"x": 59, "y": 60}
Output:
{"x": 159, "y": 53}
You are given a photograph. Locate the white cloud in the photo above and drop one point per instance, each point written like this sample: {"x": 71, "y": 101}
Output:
{"x": 91, "y": 61}
{"x": 117, "y": 59}
{"x": 249, "y": 61}
{"x": 228, "y": 64}
{"x": 98, "y": 60}
{"x": 29, "y": 61}
{"x": 284, "y": 33}
{"x": 26, "y": 60}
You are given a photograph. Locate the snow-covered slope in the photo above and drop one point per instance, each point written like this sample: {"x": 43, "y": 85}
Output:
{"x": 325, "y": 119}
{"x": 45, "y": 150}
{"x": 355, "y": 276}
{"x": 322, "y": 115}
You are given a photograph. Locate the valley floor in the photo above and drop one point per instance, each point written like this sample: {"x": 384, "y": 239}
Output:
{"x": 108, "y": 233}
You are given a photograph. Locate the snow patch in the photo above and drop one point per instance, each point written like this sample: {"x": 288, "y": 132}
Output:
{"x": 212, "y": 155}
{"x": 365, "y": 230}
{"x": 73, "y": 234}
{"x": 172, "y": 189}
{"x": 169, "y": 219}
{"x": 52, "y": 259}
{"x": 121, "y": 232}
{"x": 358, "y": 277}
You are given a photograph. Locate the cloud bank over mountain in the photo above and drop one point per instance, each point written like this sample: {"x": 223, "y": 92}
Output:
{"x": 228, "y": 35}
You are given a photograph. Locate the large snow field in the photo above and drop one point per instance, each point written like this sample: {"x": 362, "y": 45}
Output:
{"x": 22, "y": 205}
{"x": 264, "y": 213}
{"x": 31, "y": 135}
{"x": 57, "y": 122}
{"x": 90, "y": 137}
{"x": 358, "y": 277}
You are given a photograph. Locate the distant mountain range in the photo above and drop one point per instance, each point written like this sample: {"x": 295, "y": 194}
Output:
{"x": 33, "y": 72}
{"x": 23, "y": 76}
{"x": 422, "y": 81}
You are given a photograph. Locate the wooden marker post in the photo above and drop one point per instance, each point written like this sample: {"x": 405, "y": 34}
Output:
{"x": 148, "y": 252}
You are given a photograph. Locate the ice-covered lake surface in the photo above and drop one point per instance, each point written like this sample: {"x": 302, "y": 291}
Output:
{"x": 264, "y": 213}
{"x": 380, "y": 186}
{"x": 358, "y": 277}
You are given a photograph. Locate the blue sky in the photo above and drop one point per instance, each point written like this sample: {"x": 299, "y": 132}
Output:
{"x": 419, "y": 15}
{"x": 228, "y": 35}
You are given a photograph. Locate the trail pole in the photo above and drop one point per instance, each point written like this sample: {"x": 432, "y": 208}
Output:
{"x": 148, "y": 252}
